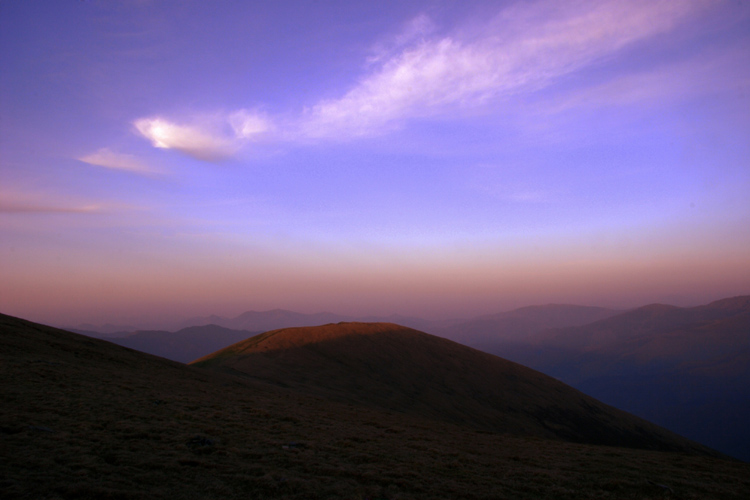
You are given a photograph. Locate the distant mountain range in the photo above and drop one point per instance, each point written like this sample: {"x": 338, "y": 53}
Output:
{"x": 204, "y": 335}
{"x": 183, "y": 345}
{"x": 106, "y": 330}
{"x": 262, "y": 321}
{"x": 484, "y": 332}
{"x": 199, "y": 336}
{"x": 483, "y": 329}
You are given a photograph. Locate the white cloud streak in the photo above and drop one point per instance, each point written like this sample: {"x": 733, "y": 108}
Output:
{"x": 710, "y": 73}
{"x": 416, "y": 30}
{"x": 118, "y": 161}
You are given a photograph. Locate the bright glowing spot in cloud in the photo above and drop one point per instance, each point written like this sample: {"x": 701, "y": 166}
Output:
{"x": 191, "y": 140}
{"x": 208, "y": 140}
{"x": 118, "y": 161}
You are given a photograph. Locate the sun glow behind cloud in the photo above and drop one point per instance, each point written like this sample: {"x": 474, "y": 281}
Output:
{"x": 212, "y": 139}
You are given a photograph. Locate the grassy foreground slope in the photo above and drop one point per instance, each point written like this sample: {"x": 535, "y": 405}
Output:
{"x": 83, "y": 418}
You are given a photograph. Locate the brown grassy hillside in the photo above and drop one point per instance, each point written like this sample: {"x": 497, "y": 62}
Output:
{"x": 86, "y": 419}
{"x": 396, "y": 368}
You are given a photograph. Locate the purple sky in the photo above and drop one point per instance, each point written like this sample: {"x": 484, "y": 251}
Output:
{"x": 161, "y": 159}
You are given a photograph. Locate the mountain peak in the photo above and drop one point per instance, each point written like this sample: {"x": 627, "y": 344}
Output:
{"x": 297, "y": 337}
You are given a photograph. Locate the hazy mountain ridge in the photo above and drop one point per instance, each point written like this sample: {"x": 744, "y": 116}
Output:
{"x": 653, "y": 319}
{"x": 183, "y": 345}
{"x": 483, "y": 331}
{"x": 654, "y": 332}
{"x": 474, "y": 332}
{"x": 687, "y": 369}
{"x": 105, "y": 331}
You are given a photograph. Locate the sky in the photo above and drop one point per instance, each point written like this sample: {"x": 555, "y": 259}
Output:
{"x": 170, "y": 159}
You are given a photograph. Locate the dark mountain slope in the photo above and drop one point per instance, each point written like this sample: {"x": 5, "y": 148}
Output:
{"x": 396, "y": 368}
{"x": 86, "y": 419}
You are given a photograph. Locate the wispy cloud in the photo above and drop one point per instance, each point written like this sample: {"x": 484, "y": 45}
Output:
{"x": 119, "y": 161}
{"x": 25, "y": 202}
{"x": 208, "y": 139}
{"x": 248, "y": 125}
{"x": 614, "y": 100}
{"x": 25, "y": 208}
{"x": 418, "y": 73}
{"x": 414, "y": 31}
{"x": 524, "y": 48}
{"x": 11, "y": 206}
{"x": 709, "y": 73}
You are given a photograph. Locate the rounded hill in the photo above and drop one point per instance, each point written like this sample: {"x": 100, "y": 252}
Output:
{"x": 405, "y": 370}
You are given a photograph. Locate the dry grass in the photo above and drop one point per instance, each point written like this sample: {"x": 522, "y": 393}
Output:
{"x": 86, "y": 419}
